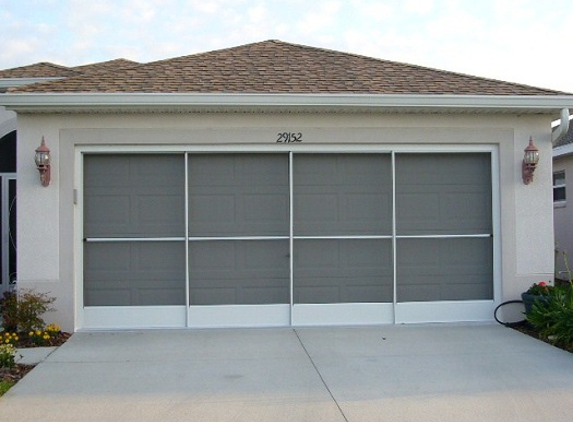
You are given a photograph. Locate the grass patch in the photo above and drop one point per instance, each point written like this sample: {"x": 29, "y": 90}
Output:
{"x": 5, "y": 386}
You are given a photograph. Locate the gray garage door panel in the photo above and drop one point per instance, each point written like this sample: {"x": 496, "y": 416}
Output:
{"x": 342, "y": 194}
{"x": 134, "y": 274}
{"x": 134, "y": 195}
{"x": 443, "y": 194}
{"x": 444, "y": 269}
{"x": 239, "y": 272}
{"x": 238, "y": 195}
{"x": 342, "y": 271}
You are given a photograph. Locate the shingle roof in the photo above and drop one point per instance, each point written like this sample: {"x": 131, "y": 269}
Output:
{"x": 279, "y": 67}
{"x": 38, "y": 70}
{"x": 51, "y": 70}
{"x": 112, "y": 65}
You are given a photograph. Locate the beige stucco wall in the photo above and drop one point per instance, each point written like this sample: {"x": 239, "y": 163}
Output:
{"x": 47, "y": 242}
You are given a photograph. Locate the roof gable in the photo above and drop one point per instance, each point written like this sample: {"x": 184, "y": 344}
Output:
{"x": 38, "y": 70}
{"x": 278, "y": 67}
{"x": 112, "y": 65}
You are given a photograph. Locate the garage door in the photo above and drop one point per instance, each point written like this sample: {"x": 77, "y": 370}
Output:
{"x": 285, "y": 239}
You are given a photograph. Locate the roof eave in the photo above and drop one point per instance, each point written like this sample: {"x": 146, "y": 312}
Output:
{"x": 277, "y": 102}
{"x": 563, "y": 151}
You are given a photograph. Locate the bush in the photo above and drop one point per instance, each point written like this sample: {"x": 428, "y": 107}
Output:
{"x": 554, "y": 319}
{"x": 23, "y": 312}
{"x": 7, "y": 354}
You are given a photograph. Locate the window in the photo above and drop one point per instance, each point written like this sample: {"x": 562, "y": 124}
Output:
{"x": 559, "y": 186}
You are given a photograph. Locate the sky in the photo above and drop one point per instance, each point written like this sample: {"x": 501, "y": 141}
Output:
{"x": 524, "y": 41}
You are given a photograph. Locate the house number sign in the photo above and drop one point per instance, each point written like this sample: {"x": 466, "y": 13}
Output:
{"x": 288, "y": 137}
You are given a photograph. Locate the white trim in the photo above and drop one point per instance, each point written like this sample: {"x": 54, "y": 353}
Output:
{"x": 285, "y": 148}
{"x": 444, "y": 311}
{"x": 246, "y": 99}
{"x": 223, "y": 316}
{"x": 133, "y": 239}
{"x": 566, "y": 149}
{"x": 124, "y": 317}
{"x": 8, "y": 125}
{"x": 394, "y": 242}
{"x": 187, "y": 280}
{"x": 496, "y": 225}
{"x": 181, "y": 101}
{"x": 303, "y": 314}
{"x": 78, "y": 186}
{"x": 291, "y": 234}
{"x": 342, "y": 314}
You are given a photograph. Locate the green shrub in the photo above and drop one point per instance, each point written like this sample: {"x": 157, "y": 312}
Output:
{"x": 554, "y": 319}
{"x": 22, "y": 311}
{"x": 7, "y": 353}
{"x": 9, "y": 309}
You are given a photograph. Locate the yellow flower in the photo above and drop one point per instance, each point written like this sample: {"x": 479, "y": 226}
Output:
{"x": 31, "y": 333}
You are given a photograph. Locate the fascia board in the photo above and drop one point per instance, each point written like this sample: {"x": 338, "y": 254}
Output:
{"x": 563, "y": 151}
{"x": 49, "y": 101}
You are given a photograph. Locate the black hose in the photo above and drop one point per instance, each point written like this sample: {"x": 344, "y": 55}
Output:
{"x": 508, "y": 324}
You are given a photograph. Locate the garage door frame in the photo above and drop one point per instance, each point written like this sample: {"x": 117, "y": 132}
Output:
{"x": 305, "y": 314}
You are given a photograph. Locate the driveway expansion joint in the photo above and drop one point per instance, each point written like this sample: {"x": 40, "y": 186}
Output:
{"x": 320, "y": 375}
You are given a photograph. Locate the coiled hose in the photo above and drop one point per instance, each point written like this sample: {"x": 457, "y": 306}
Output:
{"x": 508, "y": 324}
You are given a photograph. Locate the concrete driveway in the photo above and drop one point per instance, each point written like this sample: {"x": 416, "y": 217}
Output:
{"x": 384, "y": 373}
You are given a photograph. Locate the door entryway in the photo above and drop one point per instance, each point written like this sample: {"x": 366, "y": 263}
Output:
{"x": 7, "y": 211}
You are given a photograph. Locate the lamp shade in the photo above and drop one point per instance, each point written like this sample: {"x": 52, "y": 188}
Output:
{"x": 531, "y": 155}
{"x": 42, "y": 157}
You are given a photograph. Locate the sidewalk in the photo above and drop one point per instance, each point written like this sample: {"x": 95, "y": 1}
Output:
{"x": 385, "y": 373}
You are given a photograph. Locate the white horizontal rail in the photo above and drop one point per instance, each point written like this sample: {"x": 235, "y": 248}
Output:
{"x": 133, "y": 239}
{"x": 230, "y": 238}
{"x": 444, "y": 236}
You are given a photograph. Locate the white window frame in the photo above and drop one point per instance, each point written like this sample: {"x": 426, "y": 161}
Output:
{"x": 562, "y": 202}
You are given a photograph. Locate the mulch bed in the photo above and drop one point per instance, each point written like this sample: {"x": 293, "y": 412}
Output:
{"x": 527, "y": 329}
{"x": 16, "y": 373}
{"x": 54, "y": 340}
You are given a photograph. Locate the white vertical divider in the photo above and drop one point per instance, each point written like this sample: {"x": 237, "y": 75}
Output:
{"x": 187, "y": 304}
{"x": 291, "y": 234}
{"x": 394, "y": 263}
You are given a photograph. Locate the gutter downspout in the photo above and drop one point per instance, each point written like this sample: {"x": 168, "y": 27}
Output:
{"x": 563, "y": 127}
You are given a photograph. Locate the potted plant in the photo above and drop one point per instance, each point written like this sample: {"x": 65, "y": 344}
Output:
{"x": 538, "y": 292}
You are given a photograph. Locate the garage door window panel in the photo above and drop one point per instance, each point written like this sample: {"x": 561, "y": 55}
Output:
{"x": 342, "y": 194}
{"x": 134, "y": 274}
{"x": 238, "y": 195}
{"x": 443, "y": 194}
{"x": 233, "y": 272}
{"x": 134, "y": 195}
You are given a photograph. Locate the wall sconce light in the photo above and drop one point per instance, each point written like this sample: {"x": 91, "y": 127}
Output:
{"x": 530, "y": 160}
{"x": 42, "y": 159}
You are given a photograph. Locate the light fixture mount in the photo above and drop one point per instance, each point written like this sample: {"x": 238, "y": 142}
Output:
{"x": 530, "y": 161}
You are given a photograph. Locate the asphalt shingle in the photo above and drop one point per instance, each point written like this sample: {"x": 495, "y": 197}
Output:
{"x": 277, "y": 67}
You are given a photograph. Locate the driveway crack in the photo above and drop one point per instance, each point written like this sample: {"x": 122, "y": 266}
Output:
{"x": 320, "y": 376}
